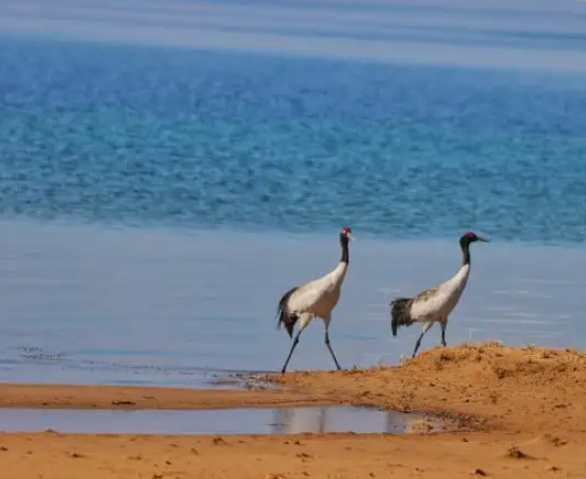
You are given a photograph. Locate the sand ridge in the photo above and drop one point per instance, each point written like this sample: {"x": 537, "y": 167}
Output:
{"x": 58, "y": 396}
{"x": 487, "y": 386}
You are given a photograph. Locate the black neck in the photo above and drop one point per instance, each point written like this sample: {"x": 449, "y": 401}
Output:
{"x": 465, "y": 245}
{"x": 344, "y": 244}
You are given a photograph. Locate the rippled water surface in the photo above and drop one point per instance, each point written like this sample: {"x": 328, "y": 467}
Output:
{"x": 172, "y": 137}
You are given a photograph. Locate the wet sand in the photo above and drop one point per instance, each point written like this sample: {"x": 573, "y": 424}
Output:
{"x": 519, "y": 412}
{"x": 132, "y": 397}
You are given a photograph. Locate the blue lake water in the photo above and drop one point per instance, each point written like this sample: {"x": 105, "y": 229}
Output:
{"x": 169, "y": 171}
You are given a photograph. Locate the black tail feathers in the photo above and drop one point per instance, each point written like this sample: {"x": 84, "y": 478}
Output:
{"x": 400, "y": 314}
{"x": 285, "y": 318}
{"x": 287, "y": 321}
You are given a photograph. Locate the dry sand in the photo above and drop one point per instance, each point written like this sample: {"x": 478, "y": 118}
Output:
{"x": 520, "y": 414}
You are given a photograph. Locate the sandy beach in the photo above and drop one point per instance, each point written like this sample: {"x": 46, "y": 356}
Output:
{"x": 131, "y": 397}
{"x": 509, "y": 412}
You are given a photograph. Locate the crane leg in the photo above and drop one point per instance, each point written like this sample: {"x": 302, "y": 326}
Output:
{"x": 417, "y": 344}
{"x": 426, "y": 328}
{"x": 444, "y": 326}
{"x": 304, "y": 321}
{"x": 293, "y": 346}
{"x": 331, "y": 350}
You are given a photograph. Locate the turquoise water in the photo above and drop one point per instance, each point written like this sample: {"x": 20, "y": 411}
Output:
{"x": 149, "y": 136}
{"x": 169, "y": 171}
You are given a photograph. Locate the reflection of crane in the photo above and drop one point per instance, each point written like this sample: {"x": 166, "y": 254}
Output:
{"x": 342, "y": 419}
{"x": 298, "y": 420}
{"x": 317, "y": 298}
{"x": 397, "y": 422}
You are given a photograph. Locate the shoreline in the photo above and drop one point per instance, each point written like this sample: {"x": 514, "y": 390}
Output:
{"x": 483, "y": 387}
{"x": 58, "y": 396}
{"x": 521, "y": 414}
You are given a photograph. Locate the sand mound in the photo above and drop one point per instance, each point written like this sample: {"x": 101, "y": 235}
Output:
{"x": 485, "y": 385}
{"x": 493, "y": 359}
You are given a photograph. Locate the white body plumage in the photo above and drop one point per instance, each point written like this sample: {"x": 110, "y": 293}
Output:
{"x": 317, "y": 298}
{"x": 438, "y": 303}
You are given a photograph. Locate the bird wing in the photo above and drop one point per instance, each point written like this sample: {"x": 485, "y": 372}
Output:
{"x": 441, "y": 299}
{"x": 285, "y": 317}
{"x": 426, "y": 304}
{"x": 427, "y": 294}
{"x": 282, "y": 306}
{"x": 307, "y": 295}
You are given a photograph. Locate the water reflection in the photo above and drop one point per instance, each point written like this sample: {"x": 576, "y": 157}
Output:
{"x": 220, "y": 421}
{"x": 342, "y": 419}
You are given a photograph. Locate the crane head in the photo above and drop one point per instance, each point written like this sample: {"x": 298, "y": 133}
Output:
{"x": 346, "y": 233}
{"x": 471, "y": 237}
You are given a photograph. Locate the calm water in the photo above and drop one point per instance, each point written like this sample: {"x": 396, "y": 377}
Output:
{"x": 117, "y": 305}
{"x": 234, "y": 421}
{"x": 168, "y": 171}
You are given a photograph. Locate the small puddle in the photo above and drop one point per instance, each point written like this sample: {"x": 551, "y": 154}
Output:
{"x": 216, "y": 421}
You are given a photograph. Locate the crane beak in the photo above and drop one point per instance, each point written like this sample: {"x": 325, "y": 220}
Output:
{"x": 484, "y": 240}
{"x": 350, "y": 237}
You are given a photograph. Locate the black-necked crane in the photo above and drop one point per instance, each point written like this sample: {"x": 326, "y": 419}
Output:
{"x": 317, "y": 298}
{"x": 435, "y": 304}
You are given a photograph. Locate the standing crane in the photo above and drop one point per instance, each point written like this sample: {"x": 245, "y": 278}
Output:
{"x": 437, "y": 303}
{"x": 314, "y": 299}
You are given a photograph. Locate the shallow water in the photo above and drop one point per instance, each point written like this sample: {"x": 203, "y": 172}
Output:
{"x": 85, "y": 304}
{"x": 221, "y": 421}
